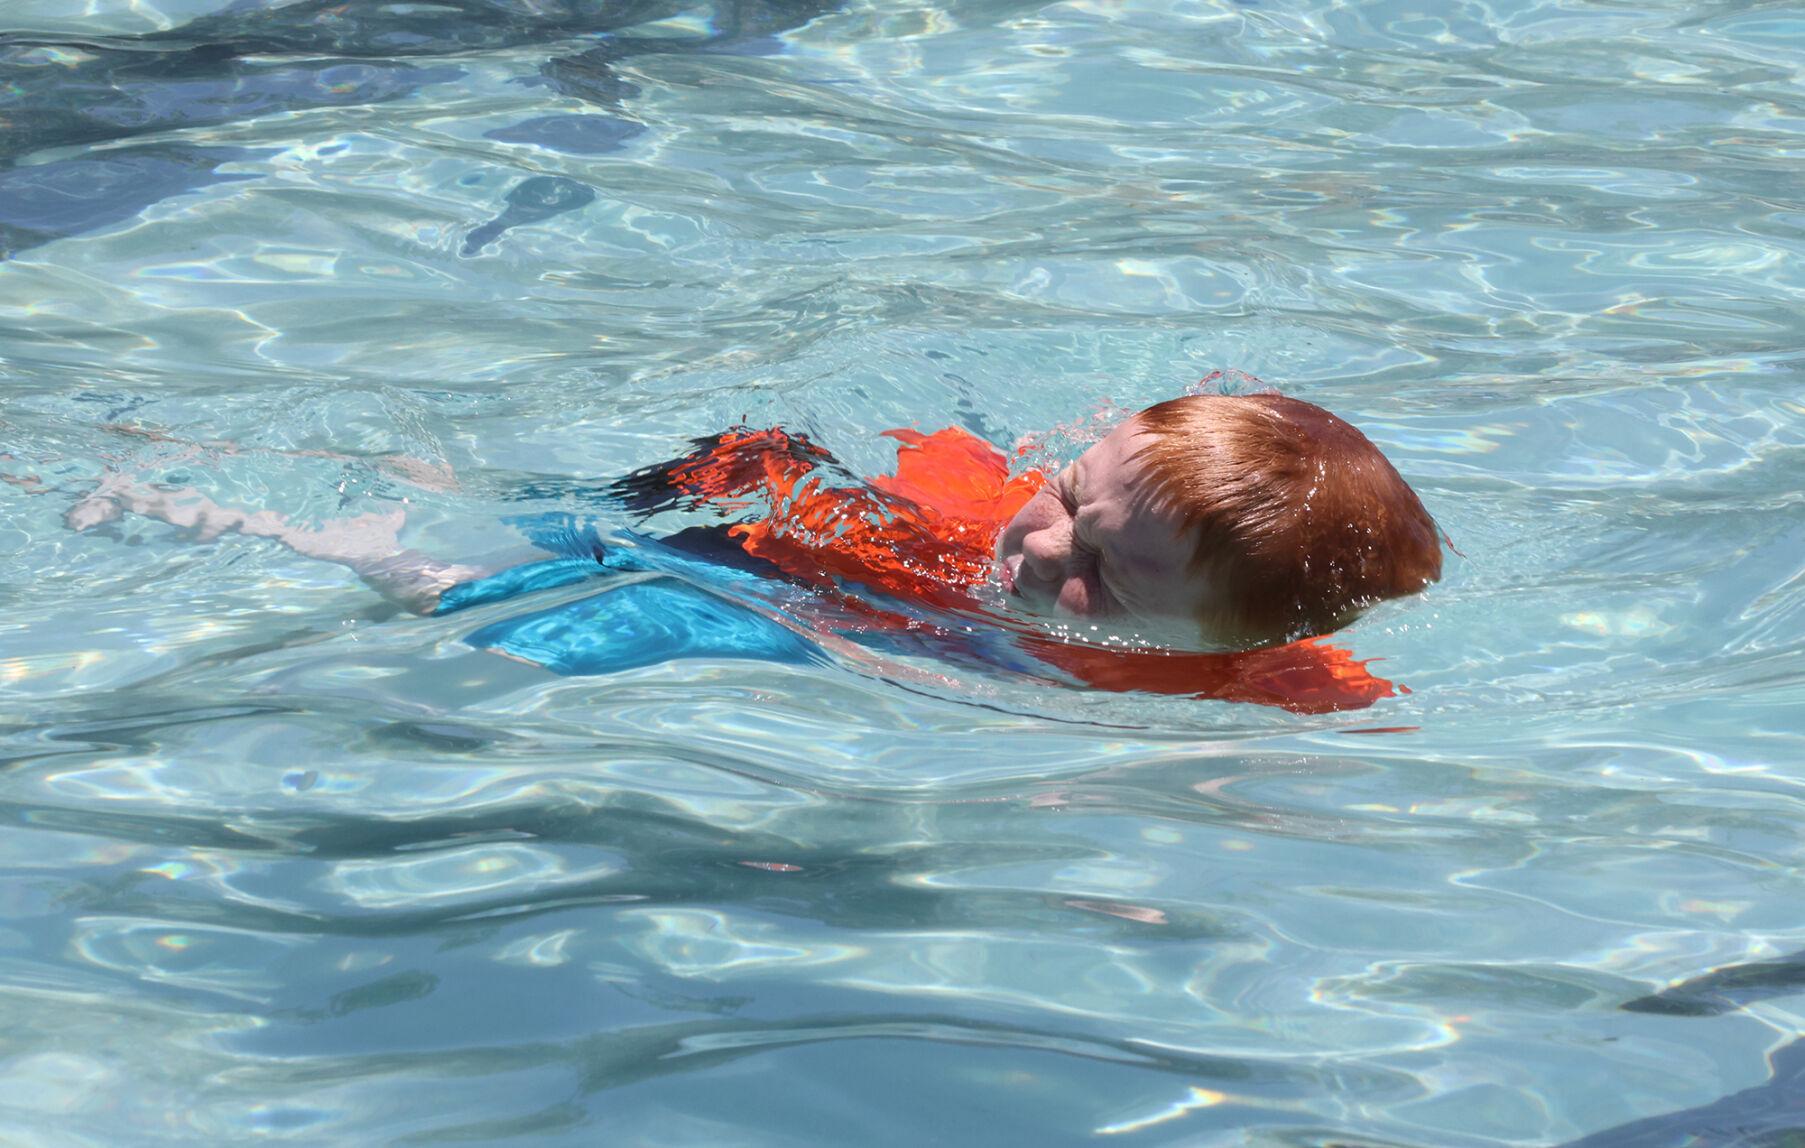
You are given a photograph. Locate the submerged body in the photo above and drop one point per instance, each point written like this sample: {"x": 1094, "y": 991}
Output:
{"x": 1203, "y": 548}
{"x": 928, "y": 536}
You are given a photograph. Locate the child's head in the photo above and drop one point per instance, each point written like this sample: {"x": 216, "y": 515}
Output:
{"x": 1258, "y": 518}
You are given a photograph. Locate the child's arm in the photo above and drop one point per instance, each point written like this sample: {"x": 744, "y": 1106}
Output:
{"x": 369, "y": 544}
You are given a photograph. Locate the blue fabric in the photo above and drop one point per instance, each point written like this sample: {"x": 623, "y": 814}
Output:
{"x": 519, "y": 580}
{"x": 641, "y": 624}
{"x": 646, "y": 622}
{"x": 564, "y": 534}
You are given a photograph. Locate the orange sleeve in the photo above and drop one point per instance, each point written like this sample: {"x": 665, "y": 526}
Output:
{"x": 926, "y": 533}
{"x": 959, "y": 475}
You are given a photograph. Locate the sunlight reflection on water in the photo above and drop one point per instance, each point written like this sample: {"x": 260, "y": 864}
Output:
{"x": 289, "y": 864}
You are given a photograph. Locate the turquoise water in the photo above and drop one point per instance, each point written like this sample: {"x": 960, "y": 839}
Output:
{"x": 284, "y": 865}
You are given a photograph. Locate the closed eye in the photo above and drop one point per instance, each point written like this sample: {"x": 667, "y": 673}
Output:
{"x": 1081, "y": 541}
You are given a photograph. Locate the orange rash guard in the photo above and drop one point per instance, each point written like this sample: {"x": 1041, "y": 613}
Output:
{"x": 927, "y": 534}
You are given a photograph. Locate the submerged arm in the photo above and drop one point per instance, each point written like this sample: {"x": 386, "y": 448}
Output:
{"x": 369, "y": 544}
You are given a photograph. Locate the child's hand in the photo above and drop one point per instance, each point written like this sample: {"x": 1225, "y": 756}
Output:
{"x": 185, "y": 507}
{"x": 91, "y": 511}
{"x": 355, "y": 542}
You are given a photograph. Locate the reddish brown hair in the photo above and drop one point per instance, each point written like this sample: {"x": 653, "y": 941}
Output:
{"x": 1301, "y": 520}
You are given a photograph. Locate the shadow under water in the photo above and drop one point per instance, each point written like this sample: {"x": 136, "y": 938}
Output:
{"x": 259, "y": 58}
{"x": 1727, "y": 989}
{"x": 1769, "y": 1115}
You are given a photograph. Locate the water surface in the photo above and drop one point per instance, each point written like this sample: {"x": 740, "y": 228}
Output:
{"x": 285, "y": 865}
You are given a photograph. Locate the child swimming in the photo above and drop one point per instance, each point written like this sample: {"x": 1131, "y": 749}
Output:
{"x": 1214, "y": 537}
{"x": 1258, "y": 519}
{"x": 1213, "y": 522}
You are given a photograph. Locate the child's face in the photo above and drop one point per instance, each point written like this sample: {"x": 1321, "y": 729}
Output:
{"x": 1094, "y": 544}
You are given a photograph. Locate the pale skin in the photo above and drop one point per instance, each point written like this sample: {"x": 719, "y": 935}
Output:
{"x": 369, "y": 543}
{"x": 1095, "y": 543}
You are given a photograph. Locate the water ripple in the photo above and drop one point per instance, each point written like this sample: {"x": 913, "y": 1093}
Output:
{"x": 283, "y": 863}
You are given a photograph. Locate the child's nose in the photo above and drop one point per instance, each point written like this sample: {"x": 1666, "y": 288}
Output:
{"x": 1044, "y": 553}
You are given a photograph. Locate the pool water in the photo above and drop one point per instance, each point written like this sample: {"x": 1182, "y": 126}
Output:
{"x": 287, "y": 865}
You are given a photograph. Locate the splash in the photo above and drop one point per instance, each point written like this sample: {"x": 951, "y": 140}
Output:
{"x": 1230, "y": 382}
{"x": 1051, "y": 451}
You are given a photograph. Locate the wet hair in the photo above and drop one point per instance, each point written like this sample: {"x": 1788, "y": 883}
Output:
{"x": 1300, "y": 519}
